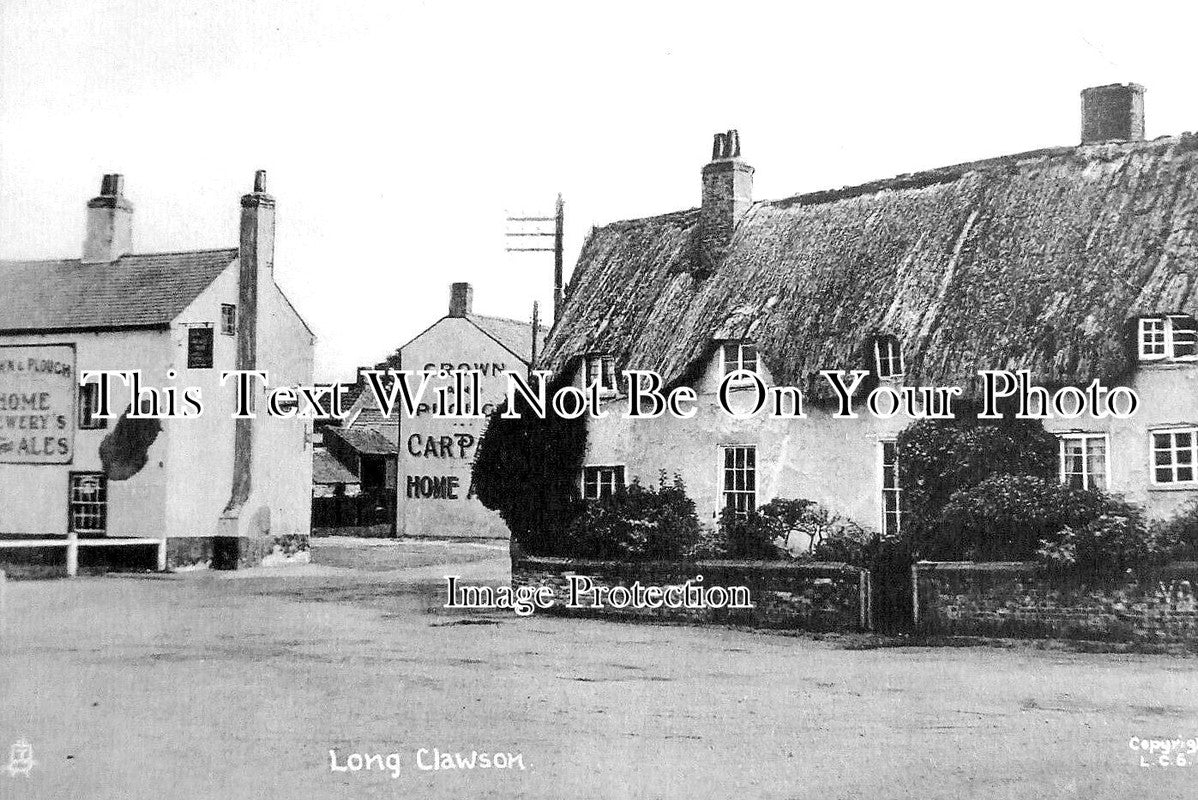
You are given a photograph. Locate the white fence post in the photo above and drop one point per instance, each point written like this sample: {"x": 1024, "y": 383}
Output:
{"x": 915, "y": 596}
{"x": 72, "y": 554}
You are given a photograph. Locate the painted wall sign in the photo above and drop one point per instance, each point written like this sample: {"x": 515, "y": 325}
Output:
{"x": 37, "y": 404}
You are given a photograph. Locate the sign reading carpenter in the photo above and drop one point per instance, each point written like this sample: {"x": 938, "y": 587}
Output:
{"x": 37, "y": 404}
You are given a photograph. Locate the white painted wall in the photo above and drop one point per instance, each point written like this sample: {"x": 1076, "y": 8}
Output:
{"x": 452, "y": 341}
{"x": 837, "y": 462}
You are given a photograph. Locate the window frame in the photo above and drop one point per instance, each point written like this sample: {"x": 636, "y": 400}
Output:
{"x": 894, "y": 355}
{"x": 896, "y": 489}
{"x": 87, "y": 403}
{"x": 1087, "y": 478}
{"x": 1173, "y": 466}
{"x": 1165, "y": 332}
{"x": 603, "y": 365}
{"x": 725, "y": 492}
{"x": 618, "y": 479}
{"x": 228, "y": 319}
{"x": 101, "y": 513}
{"x": 739, "y": 361}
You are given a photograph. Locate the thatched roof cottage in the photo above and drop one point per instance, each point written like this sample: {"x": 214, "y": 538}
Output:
{"x": 1075, "y": 263}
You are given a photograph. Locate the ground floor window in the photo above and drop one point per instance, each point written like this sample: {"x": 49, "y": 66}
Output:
{"x": 740, "y": 478}
{"x": 892, "y": 492}
{"x": 1084, "y": 460}
{"x": 599, "y": 482}
{"x": 87, "y": 503}
{"x": 1174, "y": 455}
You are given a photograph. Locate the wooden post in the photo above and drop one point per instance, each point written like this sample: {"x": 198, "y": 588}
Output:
{"x": 915, "y": 596}
{"x": 558, "y": 238}
{"x": 162, "y": 555}
{"x": 72, "y": 554}
{"x": 536, "y": 324}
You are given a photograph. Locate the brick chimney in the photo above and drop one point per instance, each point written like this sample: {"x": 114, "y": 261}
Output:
{"x": 727, "y": 193}
{"x": 256, "y": 260}
{"x": 1113, "y": 112}
{"x": 109, "y": 223}
{"x": 461, "y": 300}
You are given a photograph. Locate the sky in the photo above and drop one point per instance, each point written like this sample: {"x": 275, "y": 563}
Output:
{"x": 398, "y": 135}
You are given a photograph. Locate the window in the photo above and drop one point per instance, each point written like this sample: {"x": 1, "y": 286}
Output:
{"x": 740, "y": 478}
{"x": 736, "y": 356}
{"x": 199, "y": 348}
{"x": 1174, "y": 455}
{"x": 892, "y": 493}
{"x": 601, "y": 369}
{"x": 888, "y": 357}
{"x": 600, "y": 482}
{"x": 1084, "y": 460}
{"x": 89, "y": 406}
{"x": 1172, "y": 337}
{"x": 87, "y": 504}
{"x": 228, "y": 319}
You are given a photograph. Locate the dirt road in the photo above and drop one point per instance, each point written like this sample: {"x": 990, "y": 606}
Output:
{"x": 238, "y": 685}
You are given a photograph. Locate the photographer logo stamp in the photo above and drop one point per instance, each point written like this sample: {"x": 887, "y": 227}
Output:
{"x": 20, "y": 758}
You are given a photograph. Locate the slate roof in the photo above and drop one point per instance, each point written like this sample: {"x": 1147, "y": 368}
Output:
{"x": 145, "y": 290}
{"x": 327, "y": 469}
{"x": 366, "y": 441}
{"x": 512, "y": 334}
{"x": 1039, "y": 260}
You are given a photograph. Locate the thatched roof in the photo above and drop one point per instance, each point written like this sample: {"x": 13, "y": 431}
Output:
{"x": 1032, "y": 261}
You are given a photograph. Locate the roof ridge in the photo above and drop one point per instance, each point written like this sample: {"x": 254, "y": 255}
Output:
{"x": 505, "y": 319}
{"x": 203, "y": 251}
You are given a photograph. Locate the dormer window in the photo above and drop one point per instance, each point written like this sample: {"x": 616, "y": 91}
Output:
{"x": 888, "y": 357}
{"x": 600, "y": 368}
{"x": 736, "y": 356}
{"x": 1172, "y": 337}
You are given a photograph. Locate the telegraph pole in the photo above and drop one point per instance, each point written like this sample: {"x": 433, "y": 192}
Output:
{"x": 540, "y": 229}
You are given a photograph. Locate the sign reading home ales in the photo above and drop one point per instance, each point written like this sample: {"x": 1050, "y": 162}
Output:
{"x": 37, "y": 403}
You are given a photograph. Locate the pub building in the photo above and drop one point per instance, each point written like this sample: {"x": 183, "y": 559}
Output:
{"x": 432, "y": 474}
{"x": 79, "y": 489}
{"x": 1075, "y": 263}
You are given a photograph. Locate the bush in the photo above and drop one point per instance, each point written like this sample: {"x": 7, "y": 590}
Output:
{"x": 795, "y": 528}
{"x": 526, "y": 469}
{"x": 1113, "y": 543}
{"x": 636, "y": 523}
{"x": 940, "y": 458}
{"x": 1182, "y": 529}
{"x": 1005, "y": 517}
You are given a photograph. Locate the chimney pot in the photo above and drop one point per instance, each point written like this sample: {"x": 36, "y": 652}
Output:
{"x": 260, "y": 181}
{"x": 1113, "y": 112}
{"x": 461, "y": 300}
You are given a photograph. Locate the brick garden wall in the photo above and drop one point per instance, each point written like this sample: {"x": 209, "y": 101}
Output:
{"x": 1018, "y": 600}
{"x": 820, "y": 597}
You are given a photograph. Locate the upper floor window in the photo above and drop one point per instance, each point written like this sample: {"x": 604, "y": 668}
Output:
{"x": 736, "y": 356}
{"x": 1084, "y": 460}
{"x": 601, "y": 482}
{"x": 89, "y": 407}
{"x": 199, "y": 347}
{"x": 600, "y": 368}
{"x": 888, "y": 357}
{"x": 1169, "y": 338}
{"x": 228, "y": 319}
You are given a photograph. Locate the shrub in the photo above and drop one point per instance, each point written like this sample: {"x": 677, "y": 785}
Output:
{"x": 1115, "y": 542}
{"x": 636, "y": 523}
{"x": 795, "y": 528}
{"x": 526, "y": 469}
{"x": 1005, "y": 517}
{"x": 940, "y": 458}
{"x": 1182, "y": 528}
